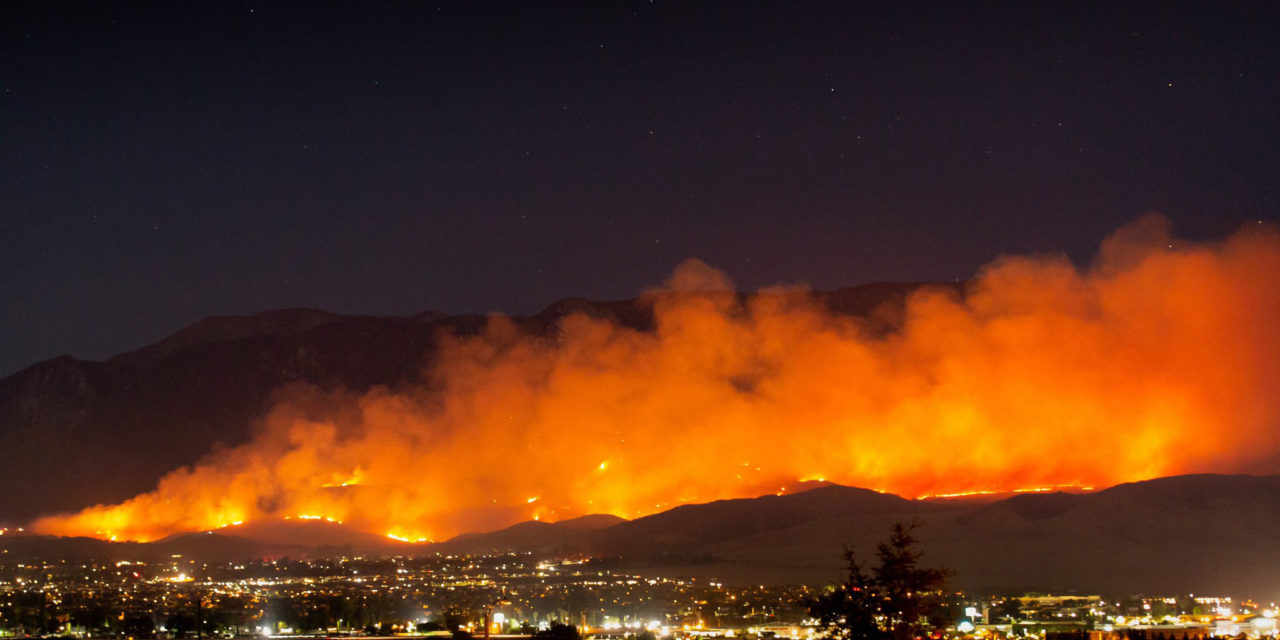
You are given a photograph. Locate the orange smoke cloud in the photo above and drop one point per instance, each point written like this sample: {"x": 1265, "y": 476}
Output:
{"x": 1163, "y": 357}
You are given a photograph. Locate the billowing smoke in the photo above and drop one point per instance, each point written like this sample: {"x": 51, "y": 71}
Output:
{"x": 1163, "y": 357}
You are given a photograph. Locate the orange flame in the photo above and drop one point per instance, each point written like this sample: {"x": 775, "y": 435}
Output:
{"x": 1160, "y": 358}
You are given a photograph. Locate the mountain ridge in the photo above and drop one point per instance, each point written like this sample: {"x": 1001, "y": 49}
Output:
{"x": 99, "y": 432}
{"x": 1193, "y": 533}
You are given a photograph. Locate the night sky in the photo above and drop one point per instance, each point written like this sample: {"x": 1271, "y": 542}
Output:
{"x": 164, "y": 162}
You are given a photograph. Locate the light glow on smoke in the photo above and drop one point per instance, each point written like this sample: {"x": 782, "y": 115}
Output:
{"x": 1162, "y": 357}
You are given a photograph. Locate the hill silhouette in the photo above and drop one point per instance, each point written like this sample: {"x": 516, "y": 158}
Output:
{"x": 77, "y": 433}
{"x": 1195, "y": 533}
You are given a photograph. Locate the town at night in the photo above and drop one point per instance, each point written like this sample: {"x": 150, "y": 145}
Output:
{"x": 455, "y": 595}
{"x": 639, "y": 320}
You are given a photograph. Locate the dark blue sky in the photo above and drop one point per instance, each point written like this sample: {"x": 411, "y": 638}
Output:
{"x": 163, "y": 162}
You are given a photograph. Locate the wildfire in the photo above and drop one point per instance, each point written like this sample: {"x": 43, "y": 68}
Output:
{"x": 1041, "y": 376}
{"x": 958, "y": 494}
{"x": 1056, "y": 487}
{"x": 312, "y": 516}
{"x": 355, "y": 478}
{"x": 992, "y": 492}
{"x": 408, "y": 538}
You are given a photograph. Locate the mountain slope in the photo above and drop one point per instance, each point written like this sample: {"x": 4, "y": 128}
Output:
{"x": 76, "y": 433}
{"x": 1185, "y": 533}
{"x": 544, "y": 538}
{"x": 691, "y": 527}
{"x": 1201, "y": 533}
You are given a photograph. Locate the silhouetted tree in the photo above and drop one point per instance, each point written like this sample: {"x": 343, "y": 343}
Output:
{"x": 911, "y": 593}
{"x": 895, "y": 600}
{"x": 850, "y": 610}
{"x": 558, "y": 631}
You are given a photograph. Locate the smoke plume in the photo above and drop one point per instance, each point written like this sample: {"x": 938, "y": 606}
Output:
{"x": 1162, "y": 357}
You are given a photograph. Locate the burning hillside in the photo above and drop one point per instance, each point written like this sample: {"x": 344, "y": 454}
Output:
{"x": 1162, "y": 357}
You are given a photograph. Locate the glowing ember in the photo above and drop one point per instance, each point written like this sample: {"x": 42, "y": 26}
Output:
{"x": 1154, "y": 361}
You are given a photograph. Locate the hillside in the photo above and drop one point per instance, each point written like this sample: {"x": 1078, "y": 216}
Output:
{"x": 1200, "y": 533}
{"x": 76, "y": 433}
{"x": 1185, "y": 533}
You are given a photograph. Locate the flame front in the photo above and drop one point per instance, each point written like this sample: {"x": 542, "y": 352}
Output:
{"x": 1161, "y": 358}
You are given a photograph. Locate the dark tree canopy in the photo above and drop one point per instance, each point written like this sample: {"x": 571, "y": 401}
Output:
{"x": 895, "y": 600}
{"x": 558, "y": 631}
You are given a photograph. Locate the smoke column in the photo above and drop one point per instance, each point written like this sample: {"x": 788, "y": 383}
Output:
{"x": 1162, "y": 357}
